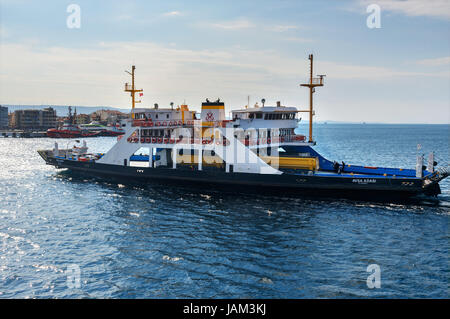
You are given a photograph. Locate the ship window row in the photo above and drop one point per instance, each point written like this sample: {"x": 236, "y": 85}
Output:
{"x": 261, "y": 133}
{"x": 157, "y": 116}
{"x": 266, "y": 133}
{"x": 156, "y": 133}
{"x": 275, "y": 132}
{"x": 272, "y": 116}
{"x": 279, "y": 116}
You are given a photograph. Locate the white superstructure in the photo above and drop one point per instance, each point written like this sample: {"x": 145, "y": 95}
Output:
{"x": 240, "y": 143}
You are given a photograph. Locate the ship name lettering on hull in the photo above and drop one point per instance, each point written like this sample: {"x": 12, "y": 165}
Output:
{"x": 364, "y": 180}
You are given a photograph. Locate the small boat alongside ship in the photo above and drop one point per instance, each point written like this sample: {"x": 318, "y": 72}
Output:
{"x": 257, "y": 147}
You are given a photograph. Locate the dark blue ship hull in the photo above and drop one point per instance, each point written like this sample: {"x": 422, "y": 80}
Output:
{"x": 320, "y": 183}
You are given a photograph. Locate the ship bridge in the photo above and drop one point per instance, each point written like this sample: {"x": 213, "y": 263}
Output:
{"x": 268, "y": 122}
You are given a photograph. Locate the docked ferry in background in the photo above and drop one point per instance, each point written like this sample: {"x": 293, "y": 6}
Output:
{"x": 71, "y": 130}
{"x": 257, "y": 147}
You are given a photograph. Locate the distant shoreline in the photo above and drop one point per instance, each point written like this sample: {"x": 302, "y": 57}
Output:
{"x": 62, "y": 110}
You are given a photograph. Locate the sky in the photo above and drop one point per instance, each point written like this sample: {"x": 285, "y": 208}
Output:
{"x": 187, "y": 51}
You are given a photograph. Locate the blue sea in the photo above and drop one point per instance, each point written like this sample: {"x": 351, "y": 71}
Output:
{"x": 64, "y": 235}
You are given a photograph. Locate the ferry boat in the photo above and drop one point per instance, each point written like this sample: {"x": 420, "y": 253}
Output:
{"x": 256, "y": 148}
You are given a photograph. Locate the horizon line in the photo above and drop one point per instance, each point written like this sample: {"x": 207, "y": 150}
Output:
{"x": 304, "y": 121}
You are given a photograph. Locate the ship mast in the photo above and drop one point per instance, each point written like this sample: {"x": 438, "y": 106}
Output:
{"x": 313, "y": 82}
{"x": 131, "y": 88}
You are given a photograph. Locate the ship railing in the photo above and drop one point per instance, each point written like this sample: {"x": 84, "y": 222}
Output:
{"x": 217, "y": 140}
{"x": 272, "y": 140}
{"x": 164, "y": 123}
{"x": 150, "y": 123}
{"x": 294, "y": 138}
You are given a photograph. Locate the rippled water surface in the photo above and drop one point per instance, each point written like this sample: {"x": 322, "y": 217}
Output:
{"x": 156, "y": 241}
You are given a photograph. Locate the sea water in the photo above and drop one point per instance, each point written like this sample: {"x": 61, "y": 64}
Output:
{"x": 64, "y": 235}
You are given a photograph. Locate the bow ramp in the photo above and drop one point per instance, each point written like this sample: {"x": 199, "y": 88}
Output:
{"x": 438, "y": 175}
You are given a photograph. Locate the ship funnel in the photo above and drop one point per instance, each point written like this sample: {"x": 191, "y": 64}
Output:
{"x": 213, "y": 111}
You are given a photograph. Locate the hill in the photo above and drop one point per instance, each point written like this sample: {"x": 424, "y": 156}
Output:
{"x": 63, "y": 110}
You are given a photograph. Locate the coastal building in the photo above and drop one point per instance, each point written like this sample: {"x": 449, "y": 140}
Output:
{"x": 108, "y": 116}
{"x": 33, "y": 119}
{"x": 82, "y": 119}
{"x": 3, "y": 117}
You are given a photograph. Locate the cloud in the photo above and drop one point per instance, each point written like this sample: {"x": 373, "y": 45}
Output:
{"x": 124, "y": 17}
{"x": 173, "y": 14}
{"x": 298, "y": 39}
{"x": 434, "y": 62}
{"x": 351, "y": 71}
{"x": 282, "y": 28}
{"x": 415, "y": 8}
{"x": 233, "y": 25}
{"x": 243, "y": 23}
{"x": 94, "y": 76}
